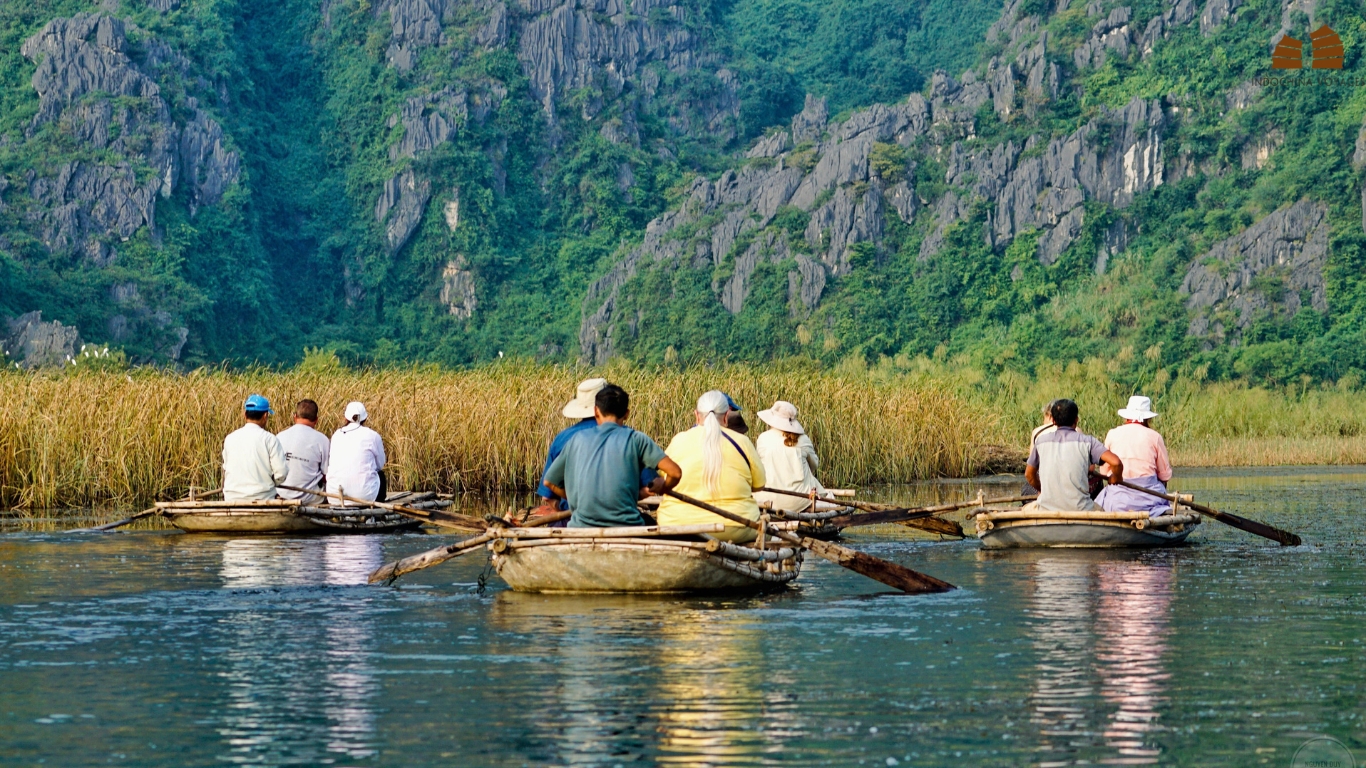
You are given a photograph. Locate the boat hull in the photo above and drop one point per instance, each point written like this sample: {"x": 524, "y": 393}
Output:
{"x": 257, "y": 521}
{"x": 1078, "y": 534}
{"x": 657, "y": 567}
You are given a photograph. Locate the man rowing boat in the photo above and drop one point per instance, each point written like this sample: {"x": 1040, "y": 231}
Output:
{"x": 599, "y": 470}
{"x": 1060, "y": 463}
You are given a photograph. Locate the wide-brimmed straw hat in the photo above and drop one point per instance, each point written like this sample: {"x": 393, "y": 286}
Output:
{"x": 1140, "y": 408}
{"x": 581, "y": 407}
{"x": 783, "y": 415}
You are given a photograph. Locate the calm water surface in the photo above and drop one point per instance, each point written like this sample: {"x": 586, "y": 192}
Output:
{"x": 153, "y": 647}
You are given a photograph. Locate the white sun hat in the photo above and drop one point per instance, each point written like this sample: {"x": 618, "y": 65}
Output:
{"x": 355, "y": 411}
{"x": 1140, "y": 408}
{"x": 783, "y": 415}
{"x": 581, "y": 407}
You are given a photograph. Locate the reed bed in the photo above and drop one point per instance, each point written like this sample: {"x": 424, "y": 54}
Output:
{"x": 127, "y": 438}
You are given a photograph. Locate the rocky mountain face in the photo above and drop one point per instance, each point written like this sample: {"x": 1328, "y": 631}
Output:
{"x": 1033, "y": 181}
{"x": 425, "y": 178}
{"x": 99, "y": 92}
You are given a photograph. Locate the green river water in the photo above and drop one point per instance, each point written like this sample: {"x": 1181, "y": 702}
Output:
{"x": 157, "y": 648}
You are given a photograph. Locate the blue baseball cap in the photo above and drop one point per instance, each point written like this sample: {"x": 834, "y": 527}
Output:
{"x": 257, "y": 403}
{"x": 733, "y": 405}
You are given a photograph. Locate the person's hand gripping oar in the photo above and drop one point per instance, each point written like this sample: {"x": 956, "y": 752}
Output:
{"x": 891, "y": 574}
{"x": 1284, "y": 538}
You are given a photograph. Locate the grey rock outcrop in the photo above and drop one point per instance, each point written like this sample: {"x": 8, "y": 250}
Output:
{"x": 457, "y": 288}
{"x": 568, "y": 45}
{"x": 1264, "y": 269}
{"x": 86, "y": 72}
{"x": 1215, "y": 14}
{"x": 1161, "y": 26}
{"x": 416, "y": 24}
{"x": 429, "y": 121}
{"x": 742, "y": 204}
{"x": 1111, "y": 35}
{"x": 400, "y": 208}
{"x": 1110, "y": 159}
{"x": 809, "y": 124}
{"x": 33, "y": 343}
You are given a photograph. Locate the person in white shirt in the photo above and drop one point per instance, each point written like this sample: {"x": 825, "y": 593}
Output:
{"x": 789, "y": 459}
{"x": 253, "y": 461}
{"x": 357, "y": 458}
{"x": 306, "y": 453}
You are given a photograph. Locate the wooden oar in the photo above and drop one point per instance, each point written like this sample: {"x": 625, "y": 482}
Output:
{"x": 894, "y": 515}
{"x": 925, "y": 522}
{"x": 891, "y": 574}
{"x": 443, "y": 519}
{"x": 391, "y": 571}
{"x": 138, "y": 516}
{"x": 1284, "y": 538}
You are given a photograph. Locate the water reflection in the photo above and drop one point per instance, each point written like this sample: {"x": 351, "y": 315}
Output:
{"x": 275, "y": 698}
{"x": 1098, "y": 626}
{"x": 690, "y": 684}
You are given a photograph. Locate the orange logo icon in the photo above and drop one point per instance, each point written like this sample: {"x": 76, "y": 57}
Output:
{"x": 1326, "y": 52}
{"x": 1289, "y": 54}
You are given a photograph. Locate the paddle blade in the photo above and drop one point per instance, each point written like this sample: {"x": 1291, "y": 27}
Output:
{"x": 937, "y": 525}
{"x": 1285, "y": 538}
{"x": 877, "y": 569}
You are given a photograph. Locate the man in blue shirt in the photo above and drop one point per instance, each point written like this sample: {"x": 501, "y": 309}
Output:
{"x": 599, "y": 470}
{"x": 581, "y": 408}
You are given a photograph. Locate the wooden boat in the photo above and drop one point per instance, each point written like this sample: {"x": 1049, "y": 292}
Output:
{"x": 1024, "y": 527}
{"x": 640, "y": 559}
{"x": 292, "y": 516}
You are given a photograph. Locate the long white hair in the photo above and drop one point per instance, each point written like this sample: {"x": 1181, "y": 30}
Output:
{"x": 714, "y": 404}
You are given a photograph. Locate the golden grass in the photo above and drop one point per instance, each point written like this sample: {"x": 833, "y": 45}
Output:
{"x": 126, "y": 438}
{"x": 76, "y": 439}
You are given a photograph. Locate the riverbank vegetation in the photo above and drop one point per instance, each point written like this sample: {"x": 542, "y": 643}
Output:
{"x": 126, "y": 437}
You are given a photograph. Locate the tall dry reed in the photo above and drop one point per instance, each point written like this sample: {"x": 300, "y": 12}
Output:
{"x": 84, "y": 438}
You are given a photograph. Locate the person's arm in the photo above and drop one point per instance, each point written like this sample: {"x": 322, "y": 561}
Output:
{"x": 1116, "y": 466}
{"x": 669, "y": 475}
{"x": 553, "y": 479}
{"x": 1032, "y": 468}
{"x": 279, "y": 469}
{"x": 808, "y": 449}
{"x": 1164, "y": 462}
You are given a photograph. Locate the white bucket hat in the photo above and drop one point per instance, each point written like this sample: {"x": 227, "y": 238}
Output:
{"x": 1140, "y": 408}
{"x": 581, "y": 407}
{"x": 783, "y": 415}
{"x": 355, "y": 411}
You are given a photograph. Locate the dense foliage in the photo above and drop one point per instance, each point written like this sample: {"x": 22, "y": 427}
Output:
{"x": 294, "y": 257}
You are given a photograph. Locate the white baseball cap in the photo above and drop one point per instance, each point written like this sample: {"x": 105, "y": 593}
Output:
{"x": 355, "y": 411}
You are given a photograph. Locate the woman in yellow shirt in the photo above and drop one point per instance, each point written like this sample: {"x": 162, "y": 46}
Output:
{"x": 720, "y": 467}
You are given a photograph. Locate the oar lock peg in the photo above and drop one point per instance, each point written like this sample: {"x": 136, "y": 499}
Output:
{"x": 499, "y": 546}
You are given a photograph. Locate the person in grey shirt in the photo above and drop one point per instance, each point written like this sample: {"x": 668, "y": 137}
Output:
{"x": 306, "y": 454}
{"x": 1060, "y": 463}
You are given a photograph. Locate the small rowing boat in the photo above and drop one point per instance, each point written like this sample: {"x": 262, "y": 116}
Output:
{"x": 640, "y": 559}
{"x": 1025, "y": 527}
{"x": 292, "y": 516}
